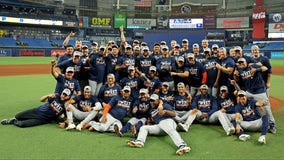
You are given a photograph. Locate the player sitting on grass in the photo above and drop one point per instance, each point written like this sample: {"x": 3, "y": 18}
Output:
{"x": 162, "y": 115}
{"x": 84, "y": 108}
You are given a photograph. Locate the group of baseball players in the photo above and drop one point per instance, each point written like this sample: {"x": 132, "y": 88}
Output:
{"x": 130, "y": 88}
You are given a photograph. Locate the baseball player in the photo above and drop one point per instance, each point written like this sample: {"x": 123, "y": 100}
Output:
{"x": 67, "y": 55}
{"x": 111, "y": 61}
{"x": 165, "y": 94}
{"x": 264, "y": 61}
{"x": 97, "y": 71}
{"x": 144, "y": 62}
{"x": 255, "y": 87}
{"x": 135, "y": 83}
{"x": 109, "y": 90}
{"x": 162, "y": 115}
{"x": 197, "y": 74}
{"x": 182, "y": 101}
{"x": 72, "y": 62}
{"x": 198, "y": 57}
{"x": 66, "y": 80}
{"x": 249, "y": 117}
{"x": 204, "y": 109}
{"x": 43, "y": 114}
{"x": 84, "y": 108}
{"x": 212, "y": 72}
{"x": 140, "y": 115}
{"x": 114, "y": 112}
{"x": 180, "y": 73}
{"x": 83, "y": 77}
{"x": 151, "y": 81}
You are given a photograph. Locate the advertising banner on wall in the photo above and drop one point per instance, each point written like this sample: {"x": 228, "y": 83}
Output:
{"x": 258, "y": 23}
{"x": 32, "y": 52}
{"x": 101, "y": 22}
{"x": 237, "y": 22}
{"x": 276, "y": 25}
{"x": 141, "y": 23}
{"x": 5, "y": 52}
{"x": 186, "y": 23}
{"x": 119, "y": 20}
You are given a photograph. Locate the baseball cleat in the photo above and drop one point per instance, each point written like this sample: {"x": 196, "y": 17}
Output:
{"x": 182, "y": 150}
{"x": 8, "y": 121}
{"x": 244, "y": 137}
{"x": 117, "y": 131}
{"x": 79, "y": 127}
{"x": 272, "y": 129}
{"x": 70, "y": 126}
{"x": 262, "y": 139}
{"x": 231, "y": 131}
{"x": 135, "y": 143}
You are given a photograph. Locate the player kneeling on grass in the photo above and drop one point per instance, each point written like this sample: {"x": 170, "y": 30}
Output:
{"x": 84, "y": 108}
{"x": 140, "y": 115}
{"x": 43, "y": 114}
{"x": 114, "y": 112}
{"x": 162, "y": 114}
{"x": 249, "y": 117}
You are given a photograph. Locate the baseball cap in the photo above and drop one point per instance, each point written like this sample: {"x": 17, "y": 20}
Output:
{"x": 154, "y": 97}
{"x": 87, "y": 88}
{"x": 102, "y": 47}
{"x": 241, "y": 60}
{"x": 238, "y": 48}
{"x": 223, "y": 88}
{"x": 70, "y": 69}
{"x": 195, "y": 45}
{"x": 143, "y": 44}
{"x": 204, "y": 86}
{"x": 180, "y": 84}
{"x": 180, "y": 58}
{"x": 114, "y": 46}
{"x": 153, "y": 68}
{"x": 207, "y": 50}
{"x": 177, "y": 46}
{"x": 131, "y": 68}
{"x": 156, "y": 44}
{"x": 242, "y": 92}
{"x": 94, "y": 44}
{"x": 77, "y": 53}
{"x": 67, "y": 91}
{"x": 165, "y": 84}
{"x": 190, "y": 55}
{"x": 163, "y": 42}
{"x": 126, "y": 88}
{"x": 84, "y": 46}
{"x": 215, "y": 46}
{"x": 136, "y": 41}
{"x": 128, "y": 46}
{"x": 165, "y": 47}
{"x": 143, "y": 90}
{"x": 136, "y": 48}
{"x": 146, "y": 48}
{"x": 185, "y": 40}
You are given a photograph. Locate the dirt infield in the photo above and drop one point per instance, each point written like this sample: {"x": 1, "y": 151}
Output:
{"x": 11, "y": 70}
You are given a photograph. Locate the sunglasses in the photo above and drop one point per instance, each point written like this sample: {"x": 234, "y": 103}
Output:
{"x": 151, "y": 100}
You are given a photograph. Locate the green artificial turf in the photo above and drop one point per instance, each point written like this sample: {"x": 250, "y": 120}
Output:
{"x": 19, "y": 93}
{"x": 25, "y": 60}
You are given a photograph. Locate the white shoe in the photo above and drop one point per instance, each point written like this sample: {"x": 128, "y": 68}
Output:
{"x": 79, "y": 127}
{"x": 135, "y": 143}
{"x": 70, "y": 126}
{"x": 231, "y": 131}
{"x": 183, "y": 127}
{"x": 262, "y": 139}
{"x": 183, "y": 149}
{"x": 244, "y": 137}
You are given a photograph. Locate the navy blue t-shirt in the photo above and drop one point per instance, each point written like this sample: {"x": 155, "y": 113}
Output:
{"x": 63, "y": 83}
{"x": 120, "y": 107}
{"x": 155, "y": 116}
{"x": 82, "y": 102}
{"x": 97, "y": 68}
{"x": 143, "y": 109}
{"x": 250, "y": 111}
{"x": 106, "y": 92}
{"x": 205, "y": 104}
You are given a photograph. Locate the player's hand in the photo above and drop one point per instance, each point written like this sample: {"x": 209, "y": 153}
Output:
{"x": 223, "y": 110}
{"x": 53, "y": 63}
{"x": 88, "y": 108}
{"x": 135, "y": 109}
{"x": 52, "y": 95}
{"x": 267, "y": 85}
{"x": 252, "y": 71}
{"x": 121, "y": 28}
{"x": 218, "y": 66}
{"x": 238, "y": 129}
{"x": 104, "y": 119}
{"x": 72, "y": 34}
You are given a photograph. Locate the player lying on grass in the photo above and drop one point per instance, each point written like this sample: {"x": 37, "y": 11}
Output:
{"x": 43, "y": 114}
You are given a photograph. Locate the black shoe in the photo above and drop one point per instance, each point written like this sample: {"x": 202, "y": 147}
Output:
{"x": 4, "y": 121}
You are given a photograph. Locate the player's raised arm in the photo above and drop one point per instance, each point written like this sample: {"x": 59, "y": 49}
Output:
{"x": 53, "y": 70}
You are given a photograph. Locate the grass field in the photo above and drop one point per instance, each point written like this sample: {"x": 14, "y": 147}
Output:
{"x": 19, "y": 93}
